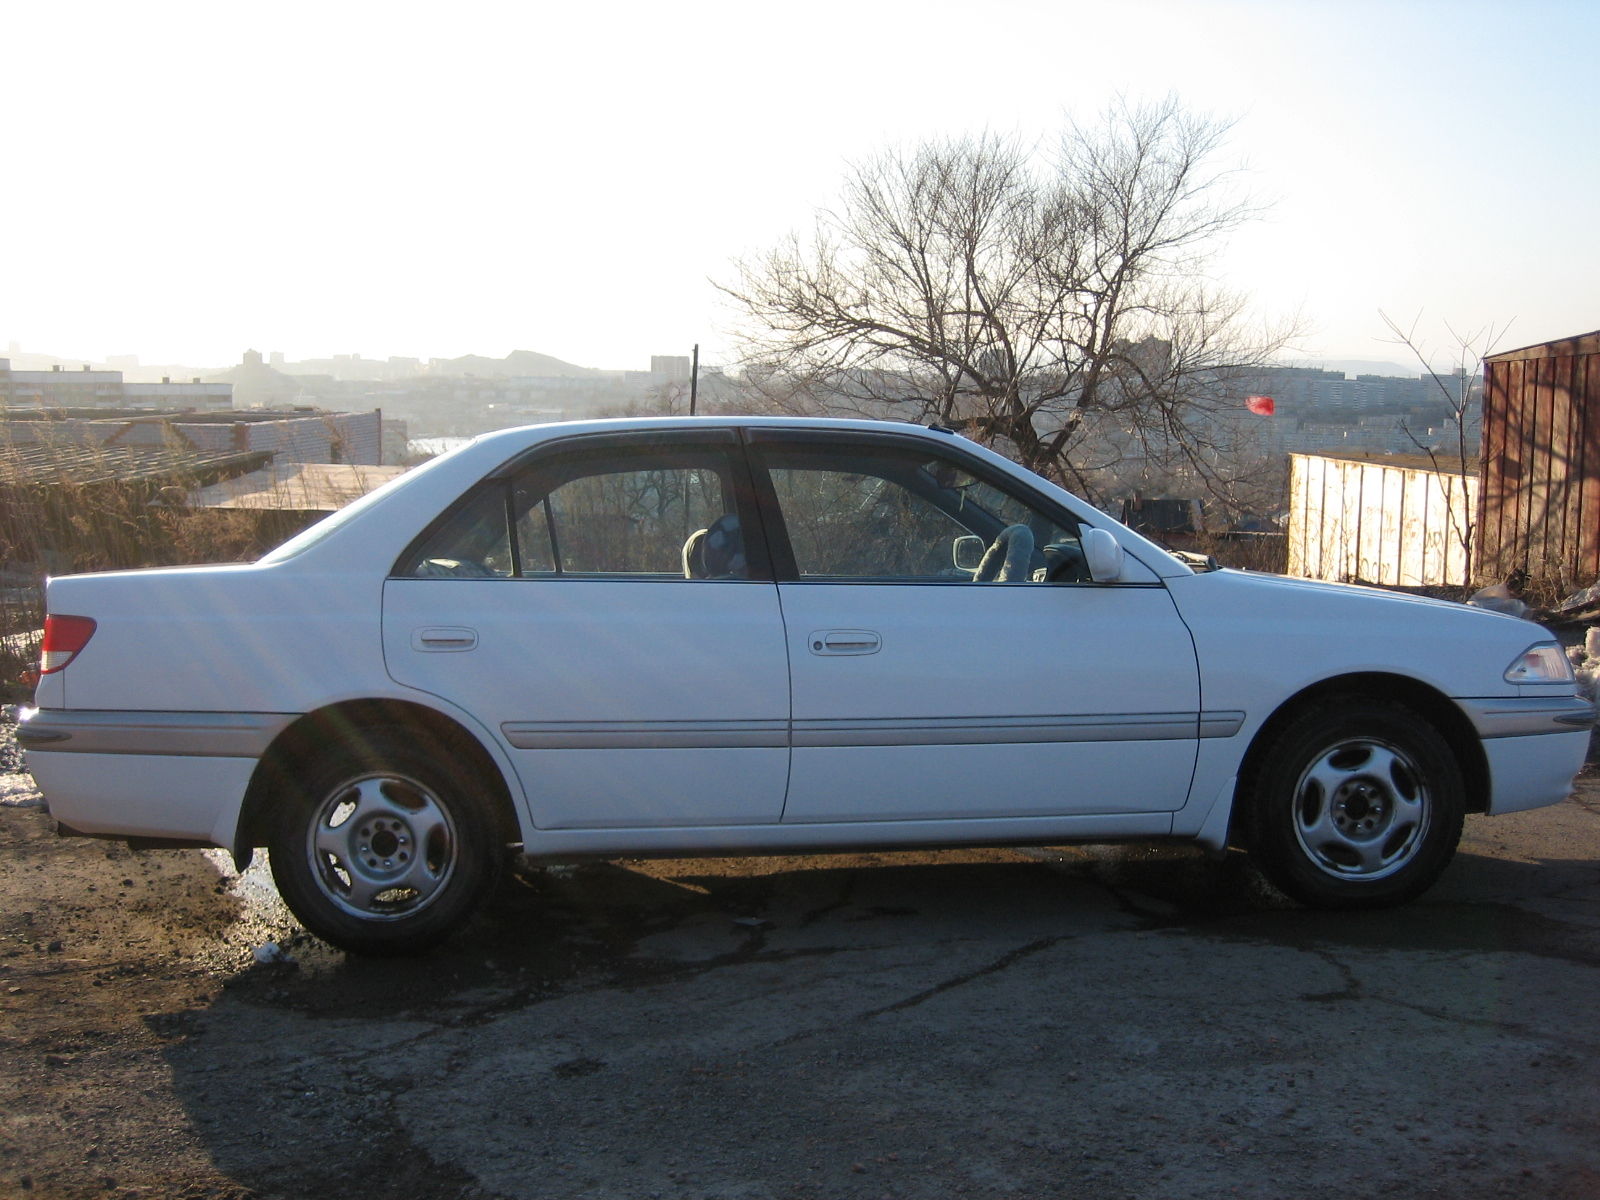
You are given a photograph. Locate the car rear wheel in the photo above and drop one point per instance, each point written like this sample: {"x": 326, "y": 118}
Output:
{"x": 380, "y": 847}
{"x": 1357, "y": 804}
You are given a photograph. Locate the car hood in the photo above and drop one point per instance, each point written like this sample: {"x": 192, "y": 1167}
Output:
{"x": 1307, "y": 630}
{"x": 1341, "y": 593}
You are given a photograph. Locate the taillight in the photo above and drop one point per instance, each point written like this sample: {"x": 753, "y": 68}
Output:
{"x": 63, "y": 638}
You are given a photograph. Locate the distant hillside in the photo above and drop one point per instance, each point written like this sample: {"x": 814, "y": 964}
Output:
{"x": 256, "y": 385}
{"x": 518, "y": 362}
{"x": 1362, "y": 366}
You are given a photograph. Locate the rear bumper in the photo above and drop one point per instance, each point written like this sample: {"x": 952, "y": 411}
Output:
{"x": 145, "y": 796}
{"x": 157, "y": 776}
{"x": 171, "y": 734}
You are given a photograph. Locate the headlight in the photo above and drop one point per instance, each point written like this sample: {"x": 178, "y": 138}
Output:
{"x": 1544, "y": 663}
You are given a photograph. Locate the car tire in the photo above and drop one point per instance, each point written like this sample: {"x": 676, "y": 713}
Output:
{"x": 1358, "y": 803}
{"x": 380, "y": 846}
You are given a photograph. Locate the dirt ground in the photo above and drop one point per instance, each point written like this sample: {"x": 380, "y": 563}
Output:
{"x": 1132, "y": 1022}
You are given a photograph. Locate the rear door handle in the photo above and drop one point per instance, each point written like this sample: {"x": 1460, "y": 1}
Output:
{"x": 445, "y": 639}
{"x": 845, "y": 641}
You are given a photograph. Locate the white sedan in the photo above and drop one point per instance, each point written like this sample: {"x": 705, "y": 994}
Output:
{"x": 702, "y": 636}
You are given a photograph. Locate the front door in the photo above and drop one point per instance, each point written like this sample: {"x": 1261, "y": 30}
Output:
{"x": 928, "y": 687}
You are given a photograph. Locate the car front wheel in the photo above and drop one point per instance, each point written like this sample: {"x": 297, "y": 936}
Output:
{"x": 380, "y": 847}
{"x": 1357, "y": 804}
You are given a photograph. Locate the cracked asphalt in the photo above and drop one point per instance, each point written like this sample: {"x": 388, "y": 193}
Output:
{"x": 1129, "y": 1021}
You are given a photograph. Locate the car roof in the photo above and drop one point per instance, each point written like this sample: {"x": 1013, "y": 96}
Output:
{"x": 521, "y": 433}
{"x": 424, "y": 492}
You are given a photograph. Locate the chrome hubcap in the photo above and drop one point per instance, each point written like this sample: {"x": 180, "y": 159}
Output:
{"x": 1361, "y": 810}
{"x": 382, "y": 846}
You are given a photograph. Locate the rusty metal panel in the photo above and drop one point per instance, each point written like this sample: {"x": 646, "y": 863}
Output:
{"x": 1524, "y": 414}
{"x": 1516, "y": 417}
{"x": 1486, "y": 540}
{"x": 1541, "y": 482}
{"x": 1541, "y": 462}
{"x": 1586, "y": 540}
{"x": 1560, "y": 525}
{"x": 1572, "y": 347}
{"x": 1491, "y": 508}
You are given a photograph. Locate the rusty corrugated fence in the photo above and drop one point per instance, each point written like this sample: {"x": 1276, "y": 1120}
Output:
{"x": 1541, "y": 461}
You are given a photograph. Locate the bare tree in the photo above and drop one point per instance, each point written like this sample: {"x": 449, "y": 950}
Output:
{"x": 1458, "y": 391}
{"x": 1056, "y": 308}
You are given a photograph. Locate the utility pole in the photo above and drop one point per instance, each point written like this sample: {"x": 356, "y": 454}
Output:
{"x": 694, "y": 378}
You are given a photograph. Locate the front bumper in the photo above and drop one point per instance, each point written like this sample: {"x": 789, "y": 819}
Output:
{"x": 1534, "y": 745}
{"x": 1524, "y": 716}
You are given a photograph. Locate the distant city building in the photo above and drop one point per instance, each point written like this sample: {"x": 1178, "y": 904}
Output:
{"x": 84, "y": 388}
{"x": 670, "y": 368}
{"x": 1323, "y": 410}
{"x": 396, "y": 442}
{"x": 256, "y": 385}
{"x": 300, "y": 436}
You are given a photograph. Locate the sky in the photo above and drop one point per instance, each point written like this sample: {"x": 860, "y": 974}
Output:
{"x": 184, "y": 181}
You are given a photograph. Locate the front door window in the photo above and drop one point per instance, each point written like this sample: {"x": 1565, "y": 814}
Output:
{"x": 887, "y": 515}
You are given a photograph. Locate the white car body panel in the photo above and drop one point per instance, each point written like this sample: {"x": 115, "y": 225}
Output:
{"x": 1081, "y": 670}
{"x": 223, "y": 639}
{"x": 1524, "y": 772}
{"x": 720, "y": 730}
{"x": 1309, "y": 632}
{"x": 154, "y": 796}
{"x": 587, "y": 674}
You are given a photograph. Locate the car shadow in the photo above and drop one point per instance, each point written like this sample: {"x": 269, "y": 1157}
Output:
{"x": 328, "y": 1053}
{"x": 631, "y": 921}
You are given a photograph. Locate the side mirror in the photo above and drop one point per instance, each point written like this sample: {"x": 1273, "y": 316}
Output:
{"x": 1103, "y": 555}
{"x": 966, "y": 552}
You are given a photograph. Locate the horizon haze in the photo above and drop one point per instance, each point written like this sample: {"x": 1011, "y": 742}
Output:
{"x": 189, "y": 181}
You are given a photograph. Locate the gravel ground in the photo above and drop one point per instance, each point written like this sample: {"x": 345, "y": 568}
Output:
{"x": 1094, "y": 1022}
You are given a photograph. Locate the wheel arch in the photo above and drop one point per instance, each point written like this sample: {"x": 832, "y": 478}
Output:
{"x": 1427, "y": 702}
{"x": 436, "y": 732}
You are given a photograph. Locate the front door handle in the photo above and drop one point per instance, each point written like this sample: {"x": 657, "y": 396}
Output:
{"x": 445, "y": 639}
{"x": 845, "y": 641}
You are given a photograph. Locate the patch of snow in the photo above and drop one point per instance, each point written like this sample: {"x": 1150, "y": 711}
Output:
{"x": 1585, "y": 660}
{"x": 16, "y": 785}
{"x": 271, "y": 952}
{"x": 254, "y": 887}
{"x": 17, "y": 791}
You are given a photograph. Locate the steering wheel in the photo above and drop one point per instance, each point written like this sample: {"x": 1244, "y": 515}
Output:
{"x": 1009, "y": 559}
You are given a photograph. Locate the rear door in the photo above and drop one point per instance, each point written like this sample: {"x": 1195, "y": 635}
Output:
{"x": 601, "y": 612}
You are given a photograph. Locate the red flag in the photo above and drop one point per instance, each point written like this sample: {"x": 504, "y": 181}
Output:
{"x": 1262, "y": 406}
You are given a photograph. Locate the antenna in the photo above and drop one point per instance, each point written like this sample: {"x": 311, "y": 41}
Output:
{"x": 694, "y": 378}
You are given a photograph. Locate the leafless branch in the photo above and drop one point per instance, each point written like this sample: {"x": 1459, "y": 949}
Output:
{"x": 1038, "y": 304}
